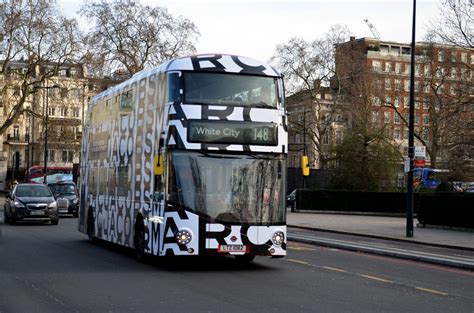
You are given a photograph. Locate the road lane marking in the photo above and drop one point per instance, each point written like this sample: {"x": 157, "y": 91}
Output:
{"x": 432, "y": 291}
{"x": 377, "y": 278}
{"x": 298, "y": 261}
{"x": 334, "y": 269}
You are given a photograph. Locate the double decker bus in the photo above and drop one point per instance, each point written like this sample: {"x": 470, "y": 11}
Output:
{"x": 188, "y": 158}
{"x": 35, "y": 174}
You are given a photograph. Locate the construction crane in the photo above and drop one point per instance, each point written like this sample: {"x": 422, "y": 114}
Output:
{"x": 372, "y": 29}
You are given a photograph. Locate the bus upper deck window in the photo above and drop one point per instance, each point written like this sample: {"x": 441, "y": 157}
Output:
{"x": 174, "y": 88}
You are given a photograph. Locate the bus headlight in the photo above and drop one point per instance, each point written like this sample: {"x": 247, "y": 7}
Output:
{"x": 183, "y": 237}
{"x": 278, "y": 238}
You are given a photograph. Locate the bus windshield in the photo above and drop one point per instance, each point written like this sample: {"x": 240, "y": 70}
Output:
{"x": 230, "y": 188}
{"x": 230, "y": 89}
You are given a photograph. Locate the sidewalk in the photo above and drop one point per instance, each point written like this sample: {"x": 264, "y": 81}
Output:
{"x": 393, "y": 228}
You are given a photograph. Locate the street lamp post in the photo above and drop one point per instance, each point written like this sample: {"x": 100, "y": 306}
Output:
{"x": 46, "y": 118}
{"x": 411, "y": 129}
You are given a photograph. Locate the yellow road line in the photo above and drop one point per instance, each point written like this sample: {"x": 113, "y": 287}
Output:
{"x": 376, "y": 278}
{"x": 298, "y": 261}
{"x": 334, "y": 269}
{"x": 432, "y": 291}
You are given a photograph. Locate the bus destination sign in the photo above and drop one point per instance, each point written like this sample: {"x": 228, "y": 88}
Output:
{"x": 231, "y": 132}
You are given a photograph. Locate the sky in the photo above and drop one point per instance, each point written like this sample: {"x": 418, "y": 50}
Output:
{"x": 254, "y": 28}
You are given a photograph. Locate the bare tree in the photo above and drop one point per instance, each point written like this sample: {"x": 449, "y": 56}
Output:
{"x": 37, "y": 41}
{"x": 131, "y": 36}
{"x": 308, "y": 68}
{"x": 455, "y": 24}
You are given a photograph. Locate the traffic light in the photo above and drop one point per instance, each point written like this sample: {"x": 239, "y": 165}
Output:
{"x": 305, "y": 165}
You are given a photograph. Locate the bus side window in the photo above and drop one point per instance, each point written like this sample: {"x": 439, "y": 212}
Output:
{"x": 174, "y": 90}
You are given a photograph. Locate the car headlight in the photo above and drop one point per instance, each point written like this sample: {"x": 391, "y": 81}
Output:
{"x": 278, "y": 238}
{"x": 18, "y": 204}
{"x": 183, "y": 237}
{"x": 75, "y": 201}
{"x": 53, "y": 205}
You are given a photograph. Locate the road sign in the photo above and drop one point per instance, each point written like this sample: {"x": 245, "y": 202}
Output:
{"x": 420, "y": 151}
{"x": 419, "y": 163}
{"x": 406, "y": 165}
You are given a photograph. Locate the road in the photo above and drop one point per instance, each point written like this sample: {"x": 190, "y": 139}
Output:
{"x": 46, "y": 268}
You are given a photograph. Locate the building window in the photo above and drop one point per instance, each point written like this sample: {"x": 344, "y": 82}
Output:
{"x": 376, "y": 101}
{"x": 51, "y": 156}
{"x": 386, "y": 117}
{"x": 453, "y": 73}
{"x": 16, "y": 132}
{"x": 51, "y": 111}
{"x": 64, "y": 111}
{"x": 398, "y": 68}
{"x": 388, "y": 100}
{"x": 398, "y": 85}
{"x": 407, "y": 85}
{"x": 376, "y": 66}
{"x": 338, "y": 137}
{"x": 463, "y": 57}
{"x": 405, "y": 133}
{"x": 452, "y": 90}
{"x": 297, "y": 138}
{"x": 426, "y": 119}
{"x": 440, "y": 56}
{"x": 68, "y": 156}
{"x": 427, "y": 70}
{"x": 375, "y": 116}
{"x": 396, "y": 133}
{"x": 326, "y": 138}
{"x": 388, "y": 84}
{"x": 417, "y": 119}
{"x": 396, "y": 102}
{"x": 396, "y": 118}
{"x": 388, "y": 67}
{"x": 406, "y": 102}
{"x": 417, "y": 103}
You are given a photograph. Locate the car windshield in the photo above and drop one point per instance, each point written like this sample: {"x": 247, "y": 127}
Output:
{"x": 229, "y": 187}
{"x": 32, "y": 191}
{"x": 230, "y": 89}
{"x": 64, "y": 189}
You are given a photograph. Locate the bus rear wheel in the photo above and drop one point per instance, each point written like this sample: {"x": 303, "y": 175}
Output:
{"x": 139, "y": 242}
{"x": 90, "y": 226}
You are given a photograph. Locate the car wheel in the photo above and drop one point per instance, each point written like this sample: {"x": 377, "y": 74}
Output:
{"x": 12, "y": 220}
{"x": 90, "y": 226}
{"x": 139, "y": 242}
{"x": 55, "y": 220}
{"x": 75, "y": 214}
{"x": 6, "y": 219}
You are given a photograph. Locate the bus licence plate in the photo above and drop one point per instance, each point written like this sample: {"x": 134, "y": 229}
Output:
{"x": 232, "y": 248}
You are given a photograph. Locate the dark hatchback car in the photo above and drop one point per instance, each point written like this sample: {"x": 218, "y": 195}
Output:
{"x": 65, "y": 193}
{"x": 30, "y": 202}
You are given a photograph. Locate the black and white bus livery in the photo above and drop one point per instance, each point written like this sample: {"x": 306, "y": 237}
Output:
{"x": 188, "y": 158}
